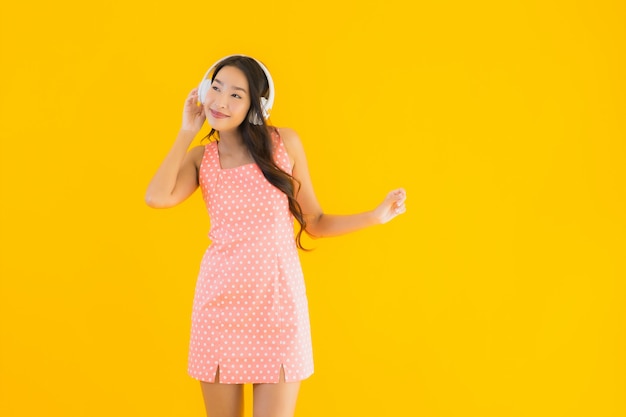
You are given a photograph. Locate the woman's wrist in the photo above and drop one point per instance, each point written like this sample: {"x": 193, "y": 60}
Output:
{"x": 373, "y": 218}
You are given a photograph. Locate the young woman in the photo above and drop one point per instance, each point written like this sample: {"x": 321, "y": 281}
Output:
{"x": 250, "y": 321}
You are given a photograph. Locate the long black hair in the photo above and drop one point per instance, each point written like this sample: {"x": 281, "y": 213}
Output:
{"x": 257, "y": 137}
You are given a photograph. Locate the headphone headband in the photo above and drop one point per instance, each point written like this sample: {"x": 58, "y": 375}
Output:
{"x": 266, "y": 104}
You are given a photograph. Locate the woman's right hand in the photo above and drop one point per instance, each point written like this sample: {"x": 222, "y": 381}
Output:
{"x": 193, "y": 114}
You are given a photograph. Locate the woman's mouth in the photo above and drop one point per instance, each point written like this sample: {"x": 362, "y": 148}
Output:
{"x": 218, "y": 115}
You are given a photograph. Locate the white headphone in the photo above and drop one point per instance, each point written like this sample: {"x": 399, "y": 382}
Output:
{"x": 266, "y": 103}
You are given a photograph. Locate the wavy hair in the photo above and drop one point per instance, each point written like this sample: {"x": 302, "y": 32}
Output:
{"x": 257, "y": 137}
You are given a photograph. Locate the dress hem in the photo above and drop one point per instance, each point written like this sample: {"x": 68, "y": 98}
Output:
{"x": 197, "y": 378}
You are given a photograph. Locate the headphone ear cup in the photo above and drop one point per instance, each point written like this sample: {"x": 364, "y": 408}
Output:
{"x": 254, "y": 117}
{"x": 264, "y": 108}
{"x": 203, "y": 89}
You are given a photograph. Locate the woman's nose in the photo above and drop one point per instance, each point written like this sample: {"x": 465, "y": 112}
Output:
{"x": 220, "y": 101}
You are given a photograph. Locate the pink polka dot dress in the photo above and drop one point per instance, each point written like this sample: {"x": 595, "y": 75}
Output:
{"x": 250, "y": 313}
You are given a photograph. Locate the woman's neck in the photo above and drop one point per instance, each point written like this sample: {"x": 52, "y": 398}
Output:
{"x": 231, "y": 144}
{"x": 231, "y": 139}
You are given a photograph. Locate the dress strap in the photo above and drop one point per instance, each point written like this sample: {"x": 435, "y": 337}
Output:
{"x": 213, "y": 154}
{"x": 209, "y": 168}
{"x": 281, "y": 157}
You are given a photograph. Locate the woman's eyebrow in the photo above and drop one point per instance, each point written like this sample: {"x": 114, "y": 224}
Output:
{"x": 234, "y": 87}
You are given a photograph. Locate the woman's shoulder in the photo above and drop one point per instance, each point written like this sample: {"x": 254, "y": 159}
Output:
{"x": 289, "y": 136}
{"x": 196, "y": 154}
{"x": 198, "y": 150}
{"x": 285, "y": 131}
{"x": 291, "y": 142}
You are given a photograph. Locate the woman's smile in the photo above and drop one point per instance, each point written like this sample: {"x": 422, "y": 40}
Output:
{"x": 218, "y": 115}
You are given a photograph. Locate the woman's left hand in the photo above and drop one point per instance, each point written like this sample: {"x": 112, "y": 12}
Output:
{"x": 392, "y": 206}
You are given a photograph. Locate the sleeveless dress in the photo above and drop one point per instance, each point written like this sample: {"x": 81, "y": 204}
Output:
{"x": 250, "y": 312}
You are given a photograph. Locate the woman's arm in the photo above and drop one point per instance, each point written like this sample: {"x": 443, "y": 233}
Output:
{"x": 177, "y": 177}
{"x": 320, "y": 224}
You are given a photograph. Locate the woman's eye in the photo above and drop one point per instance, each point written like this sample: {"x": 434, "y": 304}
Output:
{"x": 236, "y": 96}
{"x": 214, "y": 87}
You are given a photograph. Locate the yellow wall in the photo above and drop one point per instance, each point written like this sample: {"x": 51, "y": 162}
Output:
{"x": 501, "y": 291}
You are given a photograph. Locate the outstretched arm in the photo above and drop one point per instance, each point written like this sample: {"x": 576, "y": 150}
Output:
{"x": 320, "y": 224}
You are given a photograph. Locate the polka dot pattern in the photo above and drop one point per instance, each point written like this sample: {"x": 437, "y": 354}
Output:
{"x": 250, "y": 312}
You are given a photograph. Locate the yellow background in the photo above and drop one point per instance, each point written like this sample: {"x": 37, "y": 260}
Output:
{"x": 499, "y": 293}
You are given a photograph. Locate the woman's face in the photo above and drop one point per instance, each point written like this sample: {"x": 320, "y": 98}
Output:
{"x": 227, "y": 102}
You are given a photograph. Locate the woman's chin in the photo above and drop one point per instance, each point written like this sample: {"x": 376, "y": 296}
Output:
{"x": 223, "y": 124}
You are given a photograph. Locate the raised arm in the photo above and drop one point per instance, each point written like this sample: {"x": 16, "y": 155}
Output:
{"x": 320, "y": 224}
{"x": 177, "y": 177}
